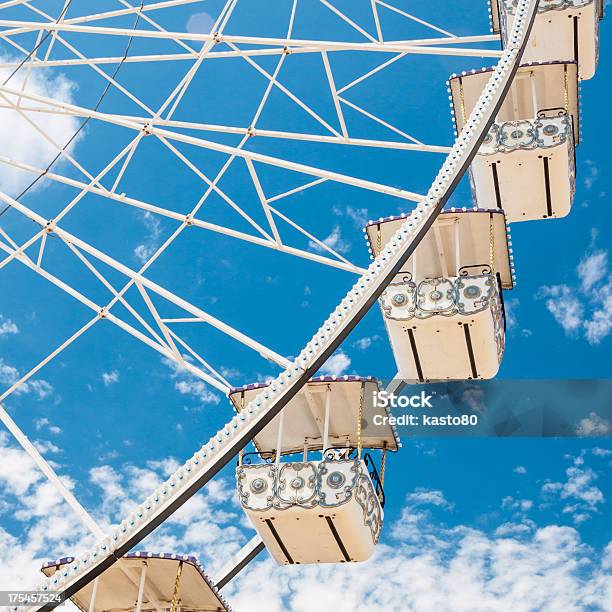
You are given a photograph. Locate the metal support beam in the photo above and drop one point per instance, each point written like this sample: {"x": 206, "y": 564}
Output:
{"x": 239, "y": 561}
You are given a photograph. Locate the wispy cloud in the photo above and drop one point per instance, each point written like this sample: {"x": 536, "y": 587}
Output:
{"x": 581, "y": 496}
{"x": 7, "y": 327}
{"x": 187, "y": 384}
{"x": 110, "y": 378}
{"x": 9, "y": 375}
{"x": 144, "y": 251}
{"x": 198, "y": 389}
{"x": 333, "y": 241}
{"x": 44, "y": 424}
{"x": 337, "y": 364}
{"x": 584, "y": 309}
{"x": 363, "y": 344}
{"x": 592, "y": 172}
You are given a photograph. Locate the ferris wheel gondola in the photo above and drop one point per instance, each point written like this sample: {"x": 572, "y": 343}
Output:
{"x": 146, "y": 581}
{"x": 526, "y": 164}
{"x": 327, "y": 509}
{"x": 563, "y": 29}
{"x": 444, "y": 312}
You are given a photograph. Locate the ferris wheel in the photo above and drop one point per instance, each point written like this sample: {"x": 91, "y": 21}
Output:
{"x": 234, "y": 135}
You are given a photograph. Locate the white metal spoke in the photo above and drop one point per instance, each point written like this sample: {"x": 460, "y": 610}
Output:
{"x": 200, "y": 142}
{"x": 372, "y": 72}
{"x": 334, "y": 93}
{"x": 342, "y": 16}
{"x": 115, "y": 293}
{"x": 376, "y": 21}
{"x": 413, "y": 46}
{"x": 380, "y": 121}
{"x": 413, "y": 18}
{"x": 196, "y": 356}
{"x": 137, "y": 276}
{"x": 104, "y": 313}
{"x": 264, "y": 202}
{"x": 313, "y": 238}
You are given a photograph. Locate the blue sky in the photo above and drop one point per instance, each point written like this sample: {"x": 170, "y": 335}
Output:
{"x": 489, "y": 523}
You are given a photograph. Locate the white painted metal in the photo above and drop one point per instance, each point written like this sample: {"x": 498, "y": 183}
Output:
{"x": 557, "y": 28}
{"x": 143, "y": 577}
{"x": 556, "y": 87}
{"x": 437, "y": 331}
{"x": 529, "y": 181}
{"x": 92, "y": 602}
{"x": 462, "y": 233}
{"x": 307, "y": 422}
{"x": 113, "y": 591}
{"x": 239, "y": 561}
{"x": 324, "y": 512}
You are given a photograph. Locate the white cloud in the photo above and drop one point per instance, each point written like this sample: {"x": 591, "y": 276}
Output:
{"x": 110, "y": 378}
{"x": 9, "y": 375}
{"x": 200, "y": 23}
{"x": 428, "y": 497}
{"x": 45, "y": 446}
{"x": 143, "y": 252}
{"x": 582, "y": 497}
{"x": 358, "y": 215}
{"x": 516, "y": 505}
{"x": 601, "y": 452}
{"x": 333, "y": 241}
{"x": 564, "y": 306}
{"x": 592, "y": 174}
{"x": 229, "y": 372}
{"x": 526, "y": 526}
{"x": 19, "y": 140}
{"x": 366, "y": 342}
{"x": 585, "y": 309}
{"x": 198, "y": 389}
{"x": 336, "y": 365}
{"x": 520, "y": 469}
{"x": 592, "y": 269}
{"x": 187, "y": 384}
{"x": 7, "y": 327}
{"x": 44, "y": 423}
{"x": 594, "y": 426}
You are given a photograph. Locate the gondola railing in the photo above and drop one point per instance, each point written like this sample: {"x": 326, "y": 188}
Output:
{"x": 373, "y": 472}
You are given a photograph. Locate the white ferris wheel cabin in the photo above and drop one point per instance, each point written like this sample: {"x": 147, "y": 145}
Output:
{"x": 147, "y": 582}
{"x": 526, "y": 164}
{"x": 563, "y": 29}
{"x": 323, "y": 510}
{"x": 444, "y": 311}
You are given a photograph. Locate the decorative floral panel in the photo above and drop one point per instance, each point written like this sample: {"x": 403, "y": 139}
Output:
{"x": 439, "y": 296}
{"x": 539, "y": 133}
{"x": 509, "y": 6}
{"x": 446, "y": 297}
{"x": 308, "y": 484}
